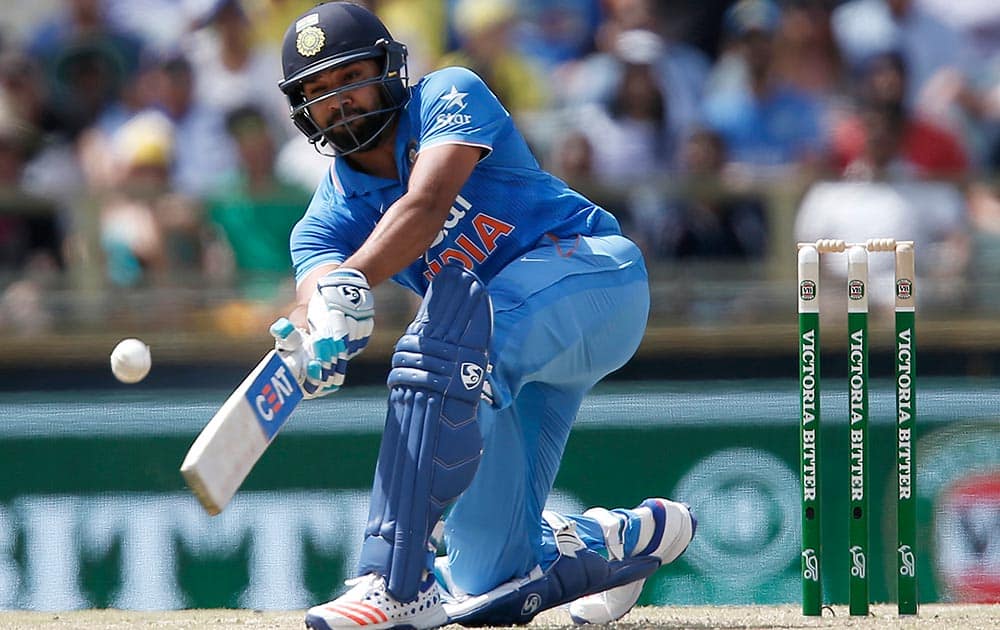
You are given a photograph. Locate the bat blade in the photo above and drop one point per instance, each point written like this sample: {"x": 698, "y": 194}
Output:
{"x": 227, "y": 448}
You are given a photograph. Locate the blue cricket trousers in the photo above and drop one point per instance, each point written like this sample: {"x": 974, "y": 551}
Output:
{"x": 565, "y": 314}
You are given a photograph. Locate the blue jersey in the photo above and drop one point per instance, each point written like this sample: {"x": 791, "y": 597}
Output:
{"x": 507, "y": 205}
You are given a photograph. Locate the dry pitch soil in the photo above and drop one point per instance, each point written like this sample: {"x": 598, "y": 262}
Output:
{"x": 931, "y": 617}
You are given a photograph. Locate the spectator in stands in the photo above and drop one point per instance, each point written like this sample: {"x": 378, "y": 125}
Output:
{"x": 32, "y": 234}
{"x": 969, "y": 102}
{"x": 770, "y": 128}
{"x": 634, "y": 30}
{"x": 93, "y": 146}
{"x": 483, "y": 29}
{"x": 270, "y": 18}
{"x": 31, "y": 230}
{"x": 24, "y": 91}
{"x": 150, "y": 234}
{"x": 572, "y": 160}
{"x": 704, "y": 218}
{"x": 928, "y": 45}
{"x": 887, "y": 137}
{"x": 230, "y": 69}
{"x": 51, "y": 169}
{"x": 422, "y": 24}
{"x": 557, "y": 32}
{"x": 202, "y": 149}
{"x": 137, "y": 94}
{"x": 619, "y": 151}
{"x": 806, "y": 54}
{"x": 85, "y": 59}
{"x": 630, "y": 136}
{"x": 256, "y": 208}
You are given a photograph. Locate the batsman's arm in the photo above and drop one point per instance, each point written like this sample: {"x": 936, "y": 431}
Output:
{"x": 334, "y": 304}
{"x": 305, "y": 291}
{"x": 409, "y": 226}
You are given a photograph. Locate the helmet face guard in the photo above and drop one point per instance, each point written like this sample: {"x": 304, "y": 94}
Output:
{"x": 333, "y": 35}
{"x": 392, "y": 79}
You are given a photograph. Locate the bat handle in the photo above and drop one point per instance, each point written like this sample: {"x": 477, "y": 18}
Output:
{"x": 286, "y": 335}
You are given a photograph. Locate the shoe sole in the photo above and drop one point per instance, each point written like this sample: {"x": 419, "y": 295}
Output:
{"x": 316, "y": 622}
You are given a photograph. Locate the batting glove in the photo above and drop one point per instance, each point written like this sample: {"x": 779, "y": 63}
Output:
{"x": 343, "y": 308}
{"x": 296, "y": 350}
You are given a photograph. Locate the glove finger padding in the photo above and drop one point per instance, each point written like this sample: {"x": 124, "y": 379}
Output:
{"x": 323, "y": 379}
{"x": 288, "y": 342}
{"x": 329, "y": 337}
{"x": 298, "y": 351}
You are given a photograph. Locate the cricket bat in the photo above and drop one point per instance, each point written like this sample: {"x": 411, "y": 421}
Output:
{"x": 227, "y": 448}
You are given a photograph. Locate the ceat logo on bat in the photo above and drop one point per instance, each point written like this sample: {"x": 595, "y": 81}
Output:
{"x": 273, "y": 395}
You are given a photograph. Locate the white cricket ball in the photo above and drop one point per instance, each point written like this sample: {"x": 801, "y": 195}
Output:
{"x": 130, "y": 360}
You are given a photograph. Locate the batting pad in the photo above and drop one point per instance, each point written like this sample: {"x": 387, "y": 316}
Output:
{"x": 431, "y": 445}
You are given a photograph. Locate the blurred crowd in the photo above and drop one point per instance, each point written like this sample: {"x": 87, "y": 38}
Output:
{"x": 147, "y": 140}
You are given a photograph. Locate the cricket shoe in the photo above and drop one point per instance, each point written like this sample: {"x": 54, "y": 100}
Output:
{"x": 368, "y": 604}
{"x": 666, "y": 529}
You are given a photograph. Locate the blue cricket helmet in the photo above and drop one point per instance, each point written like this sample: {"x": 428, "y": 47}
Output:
{"x": 336, "y": 34}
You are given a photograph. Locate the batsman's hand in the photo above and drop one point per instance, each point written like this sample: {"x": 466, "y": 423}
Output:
{"x": 295, "y": 348}
{"x": 342, "y": 308}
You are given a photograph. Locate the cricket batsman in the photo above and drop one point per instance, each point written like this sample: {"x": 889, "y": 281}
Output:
{"x": 530, "y": 296}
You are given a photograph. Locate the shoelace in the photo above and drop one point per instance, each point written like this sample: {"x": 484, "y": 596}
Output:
{"x": 376, "y": 583}
{"x": 373, "y": 581}
{"x": 357, "y": 580}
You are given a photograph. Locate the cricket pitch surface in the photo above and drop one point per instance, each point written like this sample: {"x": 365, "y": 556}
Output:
{"x": 931, "y": 617}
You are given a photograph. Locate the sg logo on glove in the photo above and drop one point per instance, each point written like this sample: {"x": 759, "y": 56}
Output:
{"x": 472, "y": 374}
{"x": 353, "y": 295}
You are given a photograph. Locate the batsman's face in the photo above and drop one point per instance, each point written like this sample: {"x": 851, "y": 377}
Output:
{"x": 340, "y": 106}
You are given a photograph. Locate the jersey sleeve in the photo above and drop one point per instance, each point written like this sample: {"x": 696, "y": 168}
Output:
{"x": 322, "y": 235}
{"x": 458, "y": 108}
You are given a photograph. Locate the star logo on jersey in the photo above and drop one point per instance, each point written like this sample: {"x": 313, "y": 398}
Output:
{"x": 452, "y": 116}
{"x": 455, "y": 99}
